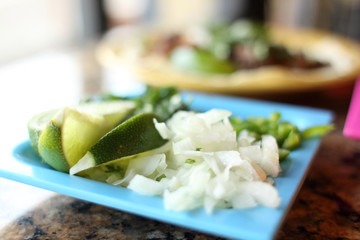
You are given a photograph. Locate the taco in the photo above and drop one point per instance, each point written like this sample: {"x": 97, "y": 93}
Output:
{"x": 237, "y": 57}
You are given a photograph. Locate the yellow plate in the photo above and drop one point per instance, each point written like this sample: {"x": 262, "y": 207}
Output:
{"x": 123, "y": 48}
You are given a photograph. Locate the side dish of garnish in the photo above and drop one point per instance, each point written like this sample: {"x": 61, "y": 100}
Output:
{"x": 155, "y": 145}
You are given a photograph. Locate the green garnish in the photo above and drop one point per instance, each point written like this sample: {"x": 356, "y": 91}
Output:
{"x": 163, "y": 102}
{"x": 287, "y": 135}
{"x": 249, "y": 33}
{"x": 190, "y": 161}
{"x": 316, "y": 131}
{"x": 160, "y": 177}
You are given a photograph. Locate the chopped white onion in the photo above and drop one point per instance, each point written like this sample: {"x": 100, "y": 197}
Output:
{"x": 207, "y": 165}
{"x": 146, "y": 186}
{"x": 163, "y": 130}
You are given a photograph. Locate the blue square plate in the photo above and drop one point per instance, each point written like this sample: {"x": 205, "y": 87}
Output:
{"x": 23, "y": 165}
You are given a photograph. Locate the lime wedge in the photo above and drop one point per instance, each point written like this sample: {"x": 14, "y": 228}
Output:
{"x": 73, "y": 130}
{"x": 36, "y": 125}
{"x": 136, "y": 135}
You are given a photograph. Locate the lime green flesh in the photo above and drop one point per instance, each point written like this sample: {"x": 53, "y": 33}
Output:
{"x": 134, "y": 136}
{"x": 113, "y": 111}
{"x": 79, "y": 132}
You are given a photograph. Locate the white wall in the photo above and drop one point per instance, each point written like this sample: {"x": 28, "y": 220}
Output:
{"x": 27, "y": 26}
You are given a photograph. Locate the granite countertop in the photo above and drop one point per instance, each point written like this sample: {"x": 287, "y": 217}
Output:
{"x": 326, "y": 207}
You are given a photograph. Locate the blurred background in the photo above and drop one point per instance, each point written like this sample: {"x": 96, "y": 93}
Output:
{"x": 30, "y": 26}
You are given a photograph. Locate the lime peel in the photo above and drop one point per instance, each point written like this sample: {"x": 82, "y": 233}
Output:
{"x": 134, "y": 136}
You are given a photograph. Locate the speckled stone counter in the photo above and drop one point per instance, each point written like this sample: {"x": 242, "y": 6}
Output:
{"x": 62, "y": 217}
{"x": 326, "y": 207}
